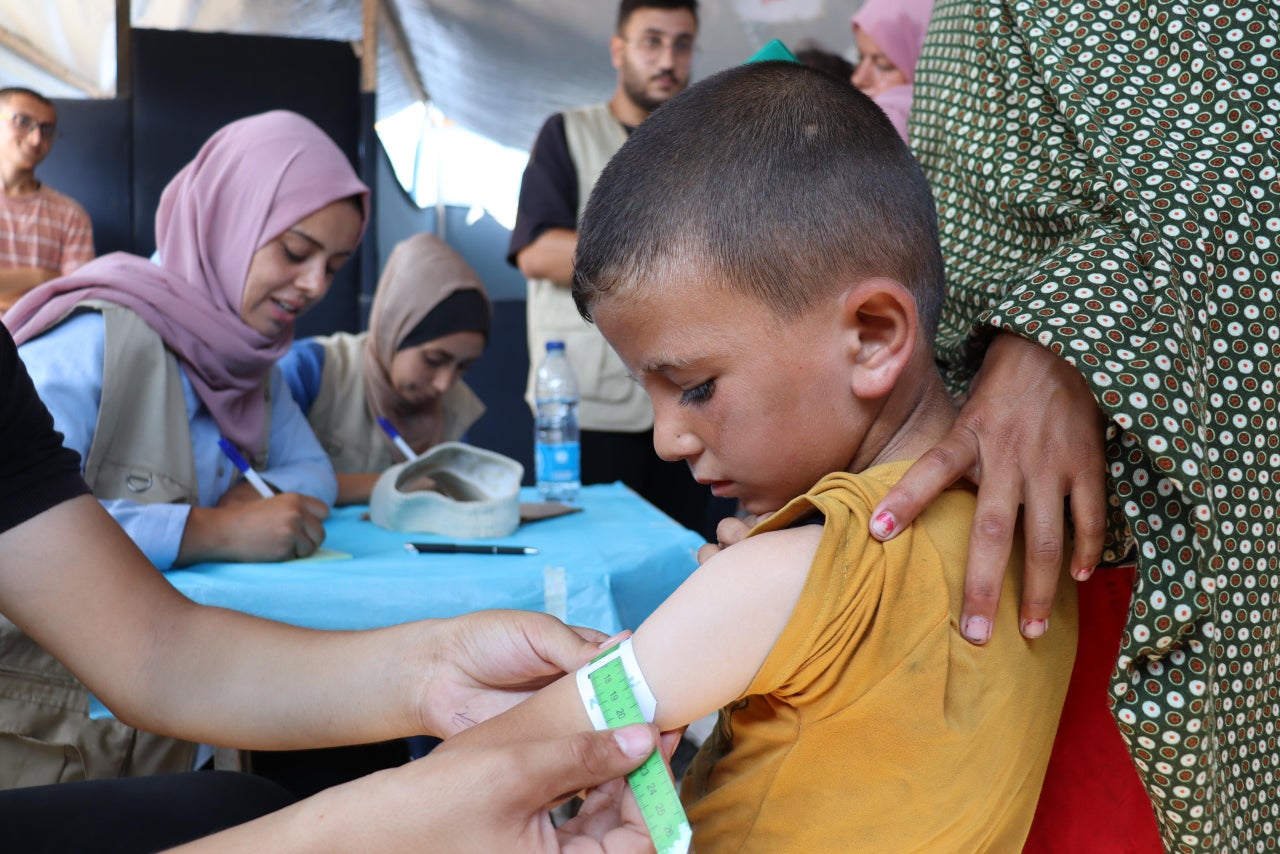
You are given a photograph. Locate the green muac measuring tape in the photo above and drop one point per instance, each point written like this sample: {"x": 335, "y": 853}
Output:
{"x": 615, "y": 680}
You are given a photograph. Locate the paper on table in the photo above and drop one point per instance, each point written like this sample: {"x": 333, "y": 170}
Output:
{"x": 322, "y": 554}
{"x": 534, "y": 511}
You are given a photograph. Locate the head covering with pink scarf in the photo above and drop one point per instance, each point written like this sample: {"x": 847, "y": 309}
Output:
{"x": 898, "y": 28}
{"x": 253, "y": 180}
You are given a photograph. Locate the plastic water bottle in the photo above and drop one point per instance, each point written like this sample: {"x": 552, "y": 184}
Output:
{"x": 555, "y": 427}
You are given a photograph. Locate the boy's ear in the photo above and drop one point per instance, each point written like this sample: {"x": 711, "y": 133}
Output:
{"x": 616, "y": 45}
{"x": 880, "y": 327}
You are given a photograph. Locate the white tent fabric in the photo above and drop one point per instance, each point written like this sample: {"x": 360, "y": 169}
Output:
{"x": 496, "y": 67}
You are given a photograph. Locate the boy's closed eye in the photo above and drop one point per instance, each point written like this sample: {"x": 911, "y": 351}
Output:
{"x": 699, "y": 394}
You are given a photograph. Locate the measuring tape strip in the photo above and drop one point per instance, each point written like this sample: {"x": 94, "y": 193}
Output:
{"x": 635, "y": 680}
{"x": 614, "y": 693}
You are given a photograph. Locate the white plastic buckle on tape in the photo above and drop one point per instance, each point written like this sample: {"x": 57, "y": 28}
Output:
{"x": 644, "y": 697}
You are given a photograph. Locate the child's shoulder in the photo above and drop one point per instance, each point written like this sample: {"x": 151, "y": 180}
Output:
{"x": 844, "y": 495}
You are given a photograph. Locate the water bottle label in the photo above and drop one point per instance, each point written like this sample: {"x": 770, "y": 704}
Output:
{"x": 558, "y": 463}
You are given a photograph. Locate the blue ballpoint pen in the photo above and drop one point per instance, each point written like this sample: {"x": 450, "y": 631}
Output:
{"x": 255, "y": 479}
{"x": 396, "y": 438}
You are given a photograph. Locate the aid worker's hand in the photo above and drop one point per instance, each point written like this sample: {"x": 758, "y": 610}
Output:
{"x": 609, "y": 819}
{"x": 470, "y": 799}
{"x": 480, "y": 664}
{"x": 281, "y": 527}
{"x": 1029, "y": 434}
{"x": 241, "y": 492}
{"x": 498, "y": 797}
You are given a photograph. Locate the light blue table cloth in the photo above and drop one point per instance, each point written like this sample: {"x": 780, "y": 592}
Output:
{"x": 613, "y": 564}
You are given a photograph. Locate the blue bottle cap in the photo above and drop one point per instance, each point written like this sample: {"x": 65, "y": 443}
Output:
{"x": 555, "y": 345}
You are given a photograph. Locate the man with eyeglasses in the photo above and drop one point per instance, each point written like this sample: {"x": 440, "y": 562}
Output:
{"x": 652, "y": 51}
{"x": 43, "y": 233}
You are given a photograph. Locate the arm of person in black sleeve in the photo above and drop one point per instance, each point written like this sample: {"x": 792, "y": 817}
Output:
{"x": 36, "y": 471}
{"x": 545, "y": 234}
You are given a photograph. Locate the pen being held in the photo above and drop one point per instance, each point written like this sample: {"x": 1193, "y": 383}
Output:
{"x": 254, "y": 479}
{"x": 274, "y": 526}
{"x": 396, "y": 439}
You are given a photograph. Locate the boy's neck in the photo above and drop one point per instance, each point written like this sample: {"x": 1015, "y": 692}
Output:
{"x": 913, "y": 419}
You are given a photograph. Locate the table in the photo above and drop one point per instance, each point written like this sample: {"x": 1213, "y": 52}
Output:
{"x": 620, "y": 556}
{"x": 607, "y": 567}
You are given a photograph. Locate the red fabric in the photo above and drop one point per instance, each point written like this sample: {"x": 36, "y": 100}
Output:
{"x": 1093, "y": 799}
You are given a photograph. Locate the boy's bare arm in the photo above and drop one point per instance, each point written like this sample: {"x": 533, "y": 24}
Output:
{"x": 699, "y": 650}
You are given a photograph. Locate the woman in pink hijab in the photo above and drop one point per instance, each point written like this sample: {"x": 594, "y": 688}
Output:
{"x": 146, "y": 366}
{"x": 889, "y": 35}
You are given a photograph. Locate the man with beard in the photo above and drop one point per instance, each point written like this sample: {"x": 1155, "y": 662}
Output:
{"x": 652, "y": 50}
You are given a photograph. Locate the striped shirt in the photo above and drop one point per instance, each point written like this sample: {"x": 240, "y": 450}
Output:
{"x": 44, "y": 229}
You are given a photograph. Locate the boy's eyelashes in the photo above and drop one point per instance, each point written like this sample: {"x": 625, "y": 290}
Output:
{"x": 699, "y": 394}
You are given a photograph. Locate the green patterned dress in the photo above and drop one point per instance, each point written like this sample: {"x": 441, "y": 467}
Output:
{"x": 1106, "y": 176}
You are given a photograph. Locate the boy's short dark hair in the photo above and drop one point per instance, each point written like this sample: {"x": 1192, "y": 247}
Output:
{"x": 9, "y": 91}
{"x": 769, "y": 178}
{"x": 837, "y": 66}
{"x": 626, "y": 7}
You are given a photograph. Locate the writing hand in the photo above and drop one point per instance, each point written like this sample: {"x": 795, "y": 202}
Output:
{"x": 1029, "y": 433}
{"x": 281, "y": 527}
{"x": 242, "y": 492}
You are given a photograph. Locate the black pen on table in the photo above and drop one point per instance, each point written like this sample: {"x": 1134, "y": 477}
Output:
{"x": 462, "y": 549}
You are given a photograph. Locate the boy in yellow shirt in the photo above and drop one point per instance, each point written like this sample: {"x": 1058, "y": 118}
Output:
{"x": 763, "y": 256}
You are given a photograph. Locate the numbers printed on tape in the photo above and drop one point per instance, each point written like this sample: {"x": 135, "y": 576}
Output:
{"x": 651, "y": 784}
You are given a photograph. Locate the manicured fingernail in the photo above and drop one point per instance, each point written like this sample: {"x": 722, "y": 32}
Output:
{"x": 1082, "y": 573}
{"x": 977, "y": 629}
{"x": 1034, "y": 628}
{"x": 883, "y": 525}
{"x": 634, "y": 741}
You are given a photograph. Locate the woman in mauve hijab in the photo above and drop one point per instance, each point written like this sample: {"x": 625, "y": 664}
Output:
{"x": 145, "y": 366}
{"x": 889, "y": 35}
{"x": 429, "y": 323}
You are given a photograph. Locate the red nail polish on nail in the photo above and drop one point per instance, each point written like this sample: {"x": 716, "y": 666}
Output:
{"x": 884, "y": 523}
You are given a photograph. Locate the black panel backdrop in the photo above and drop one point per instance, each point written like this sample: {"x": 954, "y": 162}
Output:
{"x": 187, "y": 85}
{"x": 92, "y": 163}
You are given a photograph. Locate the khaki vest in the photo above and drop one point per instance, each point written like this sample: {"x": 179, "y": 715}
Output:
{"x": 341, "y": 419}
{"x": 141, "y": 451}
{"x": 610, "y": 399}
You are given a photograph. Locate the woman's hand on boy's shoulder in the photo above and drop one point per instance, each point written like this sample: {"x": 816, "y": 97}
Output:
{"x": 729, "y": 531}
{"x": 1029, "y": 435}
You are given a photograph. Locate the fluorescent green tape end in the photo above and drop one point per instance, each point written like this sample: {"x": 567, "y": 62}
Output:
{"x": 655, "y": 793}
